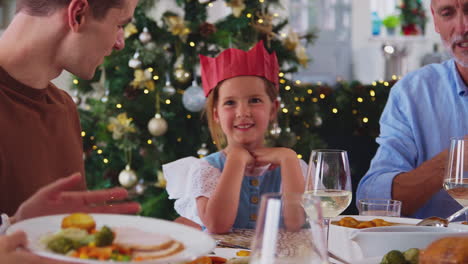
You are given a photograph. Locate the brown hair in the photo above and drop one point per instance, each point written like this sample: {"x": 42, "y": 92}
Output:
{"x": 99, "y": 8}
{"x": 216, "y": 132}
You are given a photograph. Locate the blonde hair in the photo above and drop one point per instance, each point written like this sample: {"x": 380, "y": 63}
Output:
{"x": 216, "y": 132}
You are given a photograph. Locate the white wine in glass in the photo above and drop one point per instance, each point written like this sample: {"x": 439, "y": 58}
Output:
{"x": 333, "y": 202}
{"x": 329, "y": 179}
{"x": 456, "y": 176}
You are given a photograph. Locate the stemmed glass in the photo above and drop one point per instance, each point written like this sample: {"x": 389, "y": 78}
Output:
{"x": 289, "y": 231}
{"x": 329, "y": 179}
{"x": 456, "y": 175}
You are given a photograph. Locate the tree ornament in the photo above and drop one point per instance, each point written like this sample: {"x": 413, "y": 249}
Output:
{"x": 76, "y": 98}
{"x": 168, "y": 88}
{"x": 140, "y": 187}
{"x": 181, "y": 75}
{"x": 237, "y": 7}
{"x": 157, "y": 126}
{"x": 203, "y": 151}
{"x": 207, "y": 29}
{"x": 105, "y": 97}
{"x": 275, "y": 130}
{"x": 121, "y": 126}
{"x": 318, "y": 121}
{"x": 130, "y": 29}
{"x": 135, "y": 61}
{"x": 127, "y": 177}
{"x": 150, "y": 46}
{"x": 177, "y": 26}
{"x": 264, "y": 25}
{"x": 161, "y": 183}
{"x": 194, "y": 98}
{"x": 291, "y": 41}
{"x": 145, "y": 36}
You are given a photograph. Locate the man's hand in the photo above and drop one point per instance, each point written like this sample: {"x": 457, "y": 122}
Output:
{"x": 56, "y": 198}
{"x": 11, "y": 251}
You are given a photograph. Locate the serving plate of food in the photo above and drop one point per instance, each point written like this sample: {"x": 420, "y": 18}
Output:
{"x": 104, "y": 238}
{"x": 362, "y": 238}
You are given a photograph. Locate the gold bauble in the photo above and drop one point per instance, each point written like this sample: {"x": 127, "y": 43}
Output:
{"x": 181, "y": 75}
{"x": 128, "y": 177}
{"x": 157, "y": 126}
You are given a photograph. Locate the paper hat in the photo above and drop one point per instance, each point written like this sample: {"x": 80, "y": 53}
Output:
{"x": 234, "y": 62}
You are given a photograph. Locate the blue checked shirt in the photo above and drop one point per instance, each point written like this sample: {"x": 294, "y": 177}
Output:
{"x": 424, "y": 110}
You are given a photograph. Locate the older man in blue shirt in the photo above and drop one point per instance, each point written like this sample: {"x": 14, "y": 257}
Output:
{"x": 424, "y": 110}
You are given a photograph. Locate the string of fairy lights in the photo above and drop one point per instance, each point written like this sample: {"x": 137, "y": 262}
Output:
{"x": 312, "y": 94}
{"x": 287, "y": 87}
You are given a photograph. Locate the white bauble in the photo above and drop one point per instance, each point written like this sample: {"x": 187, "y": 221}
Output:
{"x": 157, "y": 126}
{"x": 127, "y": 177}
{"x": 145, "y": 36}
{"x": 135, "y": 62}
{"x": 194, "y": 98}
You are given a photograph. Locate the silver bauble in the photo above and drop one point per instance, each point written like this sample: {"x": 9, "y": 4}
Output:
{"x": 127, "y": 177}
{"x": 318, "y": 121}
{"x": 194, "y": 98}
{"x": 135, "y": 62}
{"x": 150, "y": 46}
{"x": 169, "y": 89}
{"x": 140, "y": 187}
{"x": 275, "y": 130}
{"x": 145, "y": 36}
{"x": 157, "y": 126}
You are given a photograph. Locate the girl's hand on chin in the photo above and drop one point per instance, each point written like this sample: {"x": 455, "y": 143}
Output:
{"x": 241, "y": 153}
{"x": 273, "y": 156}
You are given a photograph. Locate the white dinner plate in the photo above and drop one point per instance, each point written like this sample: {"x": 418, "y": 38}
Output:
{"x": 196, "y": 242}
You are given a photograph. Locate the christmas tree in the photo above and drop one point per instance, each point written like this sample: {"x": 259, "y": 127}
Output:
{"x": 143, "y": 108}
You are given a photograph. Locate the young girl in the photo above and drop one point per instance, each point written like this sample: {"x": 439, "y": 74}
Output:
{"x": 223, "y": 189}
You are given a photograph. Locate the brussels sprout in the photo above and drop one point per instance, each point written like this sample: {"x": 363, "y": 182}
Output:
{"x": 62, "y": 245}
{"x": 104, "y": 237}
{"x": 412, "y": 255}
{"x": 393, "y": 257}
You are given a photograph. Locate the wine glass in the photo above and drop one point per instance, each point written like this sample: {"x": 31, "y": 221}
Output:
{"x": 456, "y": 175}
{"x": 286, "y": 234}
{"x": 329, "y": 179}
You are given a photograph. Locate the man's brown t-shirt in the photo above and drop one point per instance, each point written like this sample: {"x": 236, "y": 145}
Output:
{"x": 40, "y": 140}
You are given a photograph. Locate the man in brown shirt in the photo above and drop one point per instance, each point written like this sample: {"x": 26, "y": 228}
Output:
{"x": 40, "y": 134}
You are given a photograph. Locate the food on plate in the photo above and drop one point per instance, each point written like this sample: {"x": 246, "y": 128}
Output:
{"x": 410, "y": 256}
{"x": 354, "y": 223}
{"x": 80, "y": 239}
{"x": 208, "y": 260}
{"x": 242, "y": 257}
{"x": 243, "y": 253}
{"x": 243, "y": 260}
{"x": 446, "y": 250}
{"x": 79, "y": 220}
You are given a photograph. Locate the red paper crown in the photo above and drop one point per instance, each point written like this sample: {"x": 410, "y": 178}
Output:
{"x": 234, "y": 62}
